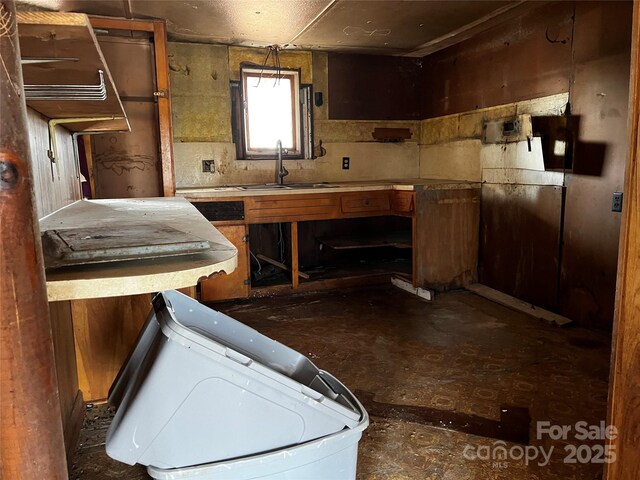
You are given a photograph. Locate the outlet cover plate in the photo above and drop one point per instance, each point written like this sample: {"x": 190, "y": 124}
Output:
{"x": 208, "y": 166}
{"x": 616, "y": 202}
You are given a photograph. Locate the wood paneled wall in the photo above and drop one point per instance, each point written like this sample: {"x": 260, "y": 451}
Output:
{"x": 374, "y": 87}
{"x": 599, "y": 97}
{"x": 530, "y": 57}
{"x": 52, "y": 190}
{"x": 579, "y": 48}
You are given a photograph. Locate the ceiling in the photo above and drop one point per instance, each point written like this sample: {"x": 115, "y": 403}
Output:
{"x": 393, "y": 27}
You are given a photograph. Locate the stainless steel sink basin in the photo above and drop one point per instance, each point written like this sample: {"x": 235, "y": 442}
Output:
{"x": 309, "y": 185}
{"x": 266, "y": 186}
{"x": 288, "y": 186}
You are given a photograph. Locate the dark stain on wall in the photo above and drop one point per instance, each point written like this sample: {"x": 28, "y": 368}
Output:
{"x": 374, "y": 87}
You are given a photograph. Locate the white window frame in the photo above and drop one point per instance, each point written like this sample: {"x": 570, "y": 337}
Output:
{"x": 270, "y": 75}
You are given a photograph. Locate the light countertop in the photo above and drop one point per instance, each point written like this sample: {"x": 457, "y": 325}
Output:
{"x": 331, "y": 187}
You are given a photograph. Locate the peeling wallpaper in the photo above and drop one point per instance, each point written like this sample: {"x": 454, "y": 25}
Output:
{"x": 200, "y": 93}
{"x": 201, "y": 103}
{"x": 451, "y": 146}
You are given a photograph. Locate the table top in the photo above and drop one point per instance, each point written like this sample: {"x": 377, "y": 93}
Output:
{"x": 137, "y": 276}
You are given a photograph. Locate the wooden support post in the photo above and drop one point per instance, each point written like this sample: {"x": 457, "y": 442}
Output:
{"x": 88, "y": 152}
{"x": 624, "y": 384}
{"x": 31, "y": 441}
{"x": 164, "y": 108}
{"x": 294, "y": 255}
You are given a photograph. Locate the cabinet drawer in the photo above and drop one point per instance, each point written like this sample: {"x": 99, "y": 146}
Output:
{"x": 402, "y": 202}
{"x": 221, "y": 211}
{"x": 287, "y": 208}
{"x": 365, "y": 202}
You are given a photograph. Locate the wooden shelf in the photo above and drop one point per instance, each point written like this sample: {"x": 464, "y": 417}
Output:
{"x": 137, "y": 276}
{"x": 50, "y": 35}
{"x": 393, "y": 239}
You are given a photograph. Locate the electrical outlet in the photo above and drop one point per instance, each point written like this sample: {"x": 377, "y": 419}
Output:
{"x": 345, "y": 163}
{"x": 616, "y": 203}
{"x": 208, "y": 166}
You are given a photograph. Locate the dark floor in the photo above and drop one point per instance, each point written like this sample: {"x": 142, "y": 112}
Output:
{"x": 454, "y": 362}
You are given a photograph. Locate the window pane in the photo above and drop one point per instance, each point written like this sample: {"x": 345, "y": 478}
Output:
{"x": 269, "y": 109}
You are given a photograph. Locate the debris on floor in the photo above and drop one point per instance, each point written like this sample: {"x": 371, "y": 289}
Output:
{"x": 458, "y": 359}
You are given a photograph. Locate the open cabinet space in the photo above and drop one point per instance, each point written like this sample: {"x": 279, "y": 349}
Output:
{"x": 332, "y": 249}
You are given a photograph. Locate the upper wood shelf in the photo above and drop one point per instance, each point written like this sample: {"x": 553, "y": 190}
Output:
{"x": 68, "y": 36}
{"x": 381, "y": 239}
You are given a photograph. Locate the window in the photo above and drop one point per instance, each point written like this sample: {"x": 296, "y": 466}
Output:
{"x": 271, "y": 105}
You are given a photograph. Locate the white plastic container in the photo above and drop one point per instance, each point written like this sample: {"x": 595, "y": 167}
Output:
{"x": 201, "y": 387}
{"x": 334, "y": 457}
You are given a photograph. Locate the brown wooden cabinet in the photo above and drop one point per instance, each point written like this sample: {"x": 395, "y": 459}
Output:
{"x": 237, "y": 284}
{"x": 444, "y": 224}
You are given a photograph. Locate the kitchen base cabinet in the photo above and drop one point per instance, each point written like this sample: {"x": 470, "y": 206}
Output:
{"x": 104, "y": 332}
{"x": 428, "y": 234}
{"x": 235, "y": 285}
{"x": 446, "y": 227}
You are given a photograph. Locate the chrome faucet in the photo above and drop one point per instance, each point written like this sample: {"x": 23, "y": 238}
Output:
{"x": 281, "y": 172}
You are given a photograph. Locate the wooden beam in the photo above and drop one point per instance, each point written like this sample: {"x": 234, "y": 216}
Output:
{"x": 107, "y": 23}
{"x": 164, "y": 108}
{"x": 31, "y": 440}
{"x": 294, "y": 255}
{"x": 88, "y": 152}
{"x": 624, "y": 385}
{"x": 280, "y": 265}
{"x": 517, "y": 304}
{"x": 406, "y": 285}
{"x": 320, "y": 285}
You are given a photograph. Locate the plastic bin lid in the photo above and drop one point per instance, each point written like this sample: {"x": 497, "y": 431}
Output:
{"x": 195, "y": 325}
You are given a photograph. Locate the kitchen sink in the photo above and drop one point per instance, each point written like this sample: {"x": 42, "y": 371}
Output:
{"x": 310, "y": 185}
{"x": 266, "y": 186}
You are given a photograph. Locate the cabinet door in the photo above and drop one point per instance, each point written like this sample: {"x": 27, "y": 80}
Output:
{"x": 402, "y": 203}
{"x": 236, "y": 284}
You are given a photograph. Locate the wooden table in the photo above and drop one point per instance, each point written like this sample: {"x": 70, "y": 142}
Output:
{"x": 97, "y": 310}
